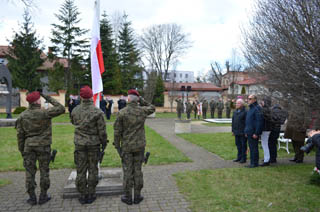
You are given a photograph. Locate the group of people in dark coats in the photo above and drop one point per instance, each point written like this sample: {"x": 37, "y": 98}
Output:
{"x": 259, "y": 121}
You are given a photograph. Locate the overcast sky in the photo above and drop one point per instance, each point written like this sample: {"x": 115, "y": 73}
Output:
{"x": 213, "y": 25}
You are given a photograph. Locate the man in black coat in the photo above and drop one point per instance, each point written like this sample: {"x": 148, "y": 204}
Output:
{"x": 238, "y": 125}
{"x": 313, "y": 141}
{"x": 253, "y": 129}
{"x": 109, "y": 107}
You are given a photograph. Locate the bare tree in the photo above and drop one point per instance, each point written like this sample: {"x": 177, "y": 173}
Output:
{"x": 27, "y": 3}
{"x": 216, "y": 72}
{"x": 163, "y": 44}
{"x": 283, "y": 43}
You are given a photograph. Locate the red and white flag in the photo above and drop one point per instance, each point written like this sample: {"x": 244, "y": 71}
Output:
{"x": 97, "y": 66}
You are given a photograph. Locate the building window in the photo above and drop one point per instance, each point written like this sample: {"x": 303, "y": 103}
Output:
{"x": 180, "y": 75}
{"x": 186, "y": 75}
{"x": 175, "y": 75}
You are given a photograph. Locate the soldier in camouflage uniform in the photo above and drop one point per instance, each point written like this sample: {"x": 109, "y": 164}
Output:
{"x": 195, "y": 108}
{"x": 212, "y": 105}
{"x": 228, "y": 108}
{"x": 204, "y": 108}
{"x": 130, "y": 142}
{"x": 220, "y": 108}
{"x": 34, "y": 141}
{"x": 179, "y": 107}
{"x": 188, "y": 109}
{"x": 89, "y": 136}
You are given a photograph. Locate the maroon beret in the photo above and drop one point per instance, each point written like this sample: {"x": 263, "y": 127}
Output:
{"x": 86, "y": 92}
{"x": 133, "y": 92}
{"x": 33, "y": 96}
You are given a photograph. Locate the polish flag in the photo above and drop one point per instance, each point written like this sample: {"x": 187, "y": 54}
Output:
{"x": 97, "y": 66}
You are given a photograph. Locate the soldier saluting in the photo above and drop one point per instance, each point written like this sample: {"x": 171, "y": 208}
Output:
{"x": 130, "y": 142}
{"x": 34, "y": 141}
{"x": 89, "y": 136}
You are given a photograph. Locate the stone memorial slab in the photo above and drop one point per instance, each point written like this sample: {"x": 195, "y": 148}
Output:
{"x": 219, "y": 121}
{"x": 7, "y": 122}
{"x": 110, "y": 183}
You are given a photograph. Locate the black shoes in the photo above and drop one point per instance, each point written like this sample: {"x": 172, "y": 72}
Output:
{"x": 236, "y": 160}
{"x": 32, "y": 200}
{"x": 137, "y": 199}
{"x": 126, "y": 199}
{"x": 91, "y": 198}
{"x": 83, "y": 199}
{"x": 299, "y": 161}
{"x": 265, "y": 164}
{"x": 44, "y": 198}
{"x": 242, "y": 161}
{"x": 293, "y": 160}
{"x": 273, "y": 161}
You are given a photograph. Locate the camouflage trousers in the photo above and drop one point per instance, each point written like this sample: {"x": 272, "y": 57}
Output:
{"x": 132, "y": 172}
{"x": 86, "y": 159}
{"x": 30, "y": 157}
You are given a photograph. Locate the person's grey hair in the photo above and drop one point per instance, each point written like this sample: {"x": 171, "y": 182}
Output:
{"x": 133, "y": 98}
{"x": 241, "y": 101}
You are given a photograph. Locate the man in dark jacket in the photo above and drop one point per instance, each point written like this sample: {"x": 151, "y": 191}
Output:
{"x": 103, "y": 104}
{"x": 253, "y": 129}
{"x": 278, "y": 117}
{"x": 109, "y": 107}
{"x": 121, "y": 103}
{"x": 238, "y": 125}
{"x": 313, "y": 141}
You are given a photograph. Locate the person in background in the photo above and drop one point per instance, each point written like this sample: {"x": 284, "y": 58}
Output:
{"x": 103, "y": 104}
{"x": 195, "y": 108}
{"x": 266, "y": 111}
{"x": 220, "y": 108}
{"x": 109, "y": 107}
{"x": 212, "y": 105}
{"x": 253, "y": 129}
{"x": 121, "y": 103}
{"x": 238, "y": 125}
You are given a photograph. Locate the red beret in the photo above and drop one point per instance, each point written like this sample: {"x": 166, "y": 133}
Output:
{"x": 133, "y": 92}
{"x": 86, "y": 92}
{"x": 33, "y": 96}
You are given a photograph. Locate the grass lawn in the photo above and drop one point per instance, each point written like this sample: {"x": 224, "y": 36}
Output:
{"x": 276, "y": 188}
{"x": 162, "y": 152}
{"x": 223, "y": 144}
{"x": 4, "y": 182}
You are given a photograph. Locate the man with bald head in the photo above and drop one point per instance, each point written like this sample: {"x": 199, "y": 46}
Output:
{"x": 238, "y": 125}
{"x": 253, "y": 129}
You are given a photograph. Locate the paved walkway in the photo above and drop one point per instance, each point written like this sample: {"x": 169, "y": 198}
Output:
{"x": 161, "y": 192}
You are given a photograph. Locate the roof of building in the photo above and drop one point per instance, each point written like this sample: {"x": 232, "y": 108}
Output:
{"x": 251, "y": 81}
{"x": 194, "y": 86}
{"x": 47, "y": 63}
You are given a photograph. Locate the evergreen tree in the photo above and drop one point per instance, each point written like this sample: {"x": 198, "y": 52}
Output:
{"x": 111, "y": 78}
{"x": 158, "y": 99}
{"x": 25, "y": 56}
{"x": 129, "y": 58}
{"x": 68, "y": 41}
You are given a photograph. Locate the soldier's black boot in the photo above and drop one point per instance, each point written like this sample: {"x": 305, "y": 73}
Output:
{"x": 137, "y": 199}
{"x": 43, "y": 198}
{"x": 126, "y": 199}
{"x": 32, "y": 199}
{"x": 83, "y": 199}
{"x": 91, "y": 198}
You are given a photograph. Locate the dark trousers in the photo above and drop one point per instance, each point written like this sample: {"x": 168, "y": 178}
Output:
{"x": 272, "y": 143}
{"x": 204, "y": 113}
{"x": 212, "y": 113}
{"x": 228, "y": 111}
{"x": 195, "y": 114}
{"x": 219, "y": 114}
{"x": 299, "y": 154}
{"x": 108, "y": 114}
{"x": 241, "y": 143}
{"x": 254, "y": 151}
{"x": 188, "y": 115}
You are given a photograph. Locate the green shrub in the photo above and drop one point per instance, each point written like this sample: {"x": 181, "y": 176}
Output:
{"x": 19, "y": 110}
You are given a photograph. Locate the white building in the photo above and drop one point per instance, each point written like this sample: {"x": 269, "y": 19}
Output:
{"x": 181, "y": 76}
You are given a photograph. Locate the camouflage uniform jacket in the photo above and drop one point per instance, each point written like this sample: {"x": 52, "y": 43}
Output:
{"x": 205, "y": 104}
{"x": 179, "y": 105}
{"x": 90, "y": 126}
{"x": 34, "y": 124}
{"x": 188, "y": 107}
{"x": 212, "y": 105}
{"x": 129, "y": 134}
{"x": 220, "y": 105}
